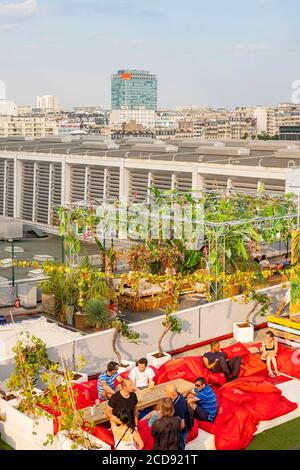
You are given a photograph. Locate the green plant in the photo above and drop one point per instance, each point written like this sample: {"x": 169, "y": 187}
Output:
{"x": 170, "y": 324}
{"x": 63, "y": 401}
{"x": 97, "y": 313}
{"x": 31, "y": 361}
{"x": 121, "y": 328}
{"x": 262, "y": 301}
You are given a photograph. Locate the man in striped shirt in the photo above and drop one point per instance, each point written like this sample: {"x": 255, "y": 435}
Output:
{"x": 106, "y": 381}
{"x": 203, "y": 401}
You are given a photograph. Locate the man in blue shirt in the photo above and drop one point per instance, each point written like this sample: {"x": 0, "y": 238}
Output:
{"x": 181, "y": 410}
{"x": 203, "y": 401}
{"x": 106, "y": 381}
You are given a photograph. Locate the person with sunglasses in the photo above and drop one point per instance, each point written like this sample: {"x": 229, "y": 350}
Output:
{"x": 203, "y": 401}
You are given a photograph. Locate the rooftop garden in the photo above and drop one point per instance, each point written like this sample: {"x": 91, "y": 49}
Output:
{"x": 176, "y": 244}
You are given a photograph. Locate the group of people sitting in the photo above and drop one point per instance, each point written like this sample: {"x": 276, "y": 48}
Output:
{"x": 264, "y": 263}
{"x": 171, "y": 419}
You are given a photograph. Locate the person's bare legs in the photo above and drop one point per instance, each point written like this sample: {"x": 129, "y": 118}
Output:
{"x": 274, "y": 362}
{"x": 269, "y": 366}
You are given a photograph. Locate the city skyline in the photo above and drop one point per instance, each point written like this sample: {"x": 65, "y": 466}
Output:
{"x": 214, "y": 54}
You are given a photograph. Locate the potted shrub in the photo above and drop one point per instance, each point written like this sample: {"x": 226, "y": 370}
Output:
{"x": 74, "y": 432}
{"x": 243, "y": 332}
{"x": 27, "y": 425}
{"x": 160, "y": 357}
{"x": 121, "y": 329}
{"x": 48, "y": 297}
{"x": 97, "y": 314}
{"x": 80, "y": 320}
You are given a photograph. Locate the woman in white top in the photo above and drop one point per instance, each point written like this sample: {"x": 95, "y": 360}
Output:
{"x": 142, "y": 376}
{"x": 264, "y": 262}
{"x": 126, "y": 437}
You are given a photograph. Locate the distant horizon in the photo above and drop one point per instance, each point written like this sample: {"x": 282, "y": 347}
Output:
{"x": 216, "y": 53}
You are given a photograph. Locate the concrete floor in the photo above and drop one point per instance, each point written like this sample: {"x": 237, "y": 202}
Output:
{"x": 51, "y": 245}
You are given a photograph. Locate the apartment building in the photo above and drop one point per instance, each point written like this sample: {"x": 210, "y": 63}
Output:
{"x": 32, "y": 127}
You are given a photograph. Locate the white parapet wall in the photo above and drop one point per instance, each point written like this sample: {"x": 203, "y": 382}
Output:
{"x": 22, "y": 432}
{"x": 199, "y": 324}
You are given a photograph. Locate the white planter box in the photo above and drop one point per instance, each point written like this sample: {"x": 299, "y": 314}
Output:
{"x": 157, "y": 362}
{"x": 130, "y": 366}
{"x": 23, "y": 432}
{"x": 243, "y": 334}
{"x": 28, "y": 295}
{"x": 65, "y": 443}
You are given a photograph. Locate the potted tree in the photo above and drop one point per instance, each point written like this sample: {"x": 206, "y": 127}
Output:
{"x": 97, "y": 314}
{"x": 48, "y": 297}
{"x": 74, "y": 432}
{"x": 170, "y": 324}
{"x": 243, "y": 332}
{"x": 121, "y": 328}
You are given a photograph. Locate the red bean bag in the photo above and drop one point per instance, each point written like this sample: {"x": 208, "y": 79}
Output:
{"x": 216, "y": 379}
{"x": 288, "y": 361}
{"x": 145, "y": 432}
{"x": 206, "y": 426}
{"x": 187, "y": 368}
{"x": 234, "y": 427}
{"x": 243, "y": 404}
{"x": 193, "y": 433}
{"x": 87, "y": 393}
{"x": 104, "y": 435}
{"x": 252, "y": 365}
{"x": 237, "y": 349}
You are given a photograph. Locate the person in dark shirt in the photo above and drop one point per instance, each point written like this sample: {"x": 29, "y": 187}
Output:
{"x": 217, "y": 362}
{"x": 181, "y": 410}
{"x": 125, "y": 399}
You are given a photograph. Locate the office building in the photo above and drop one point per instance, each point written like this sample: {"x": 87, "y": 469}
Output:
{"x": 134, "y": 89}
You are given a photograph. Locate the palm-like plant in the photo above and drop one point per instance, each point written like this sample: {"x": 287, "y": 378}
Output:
{"x": 98, "y": 314}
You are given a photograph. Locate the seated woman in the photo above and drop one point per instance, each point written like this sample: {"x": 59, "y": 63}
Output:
{"x": 126, "y": 437}
{"x": 165, "y": 426}
{"x": 264, "y": 262}
{"x": 269, "y": 353}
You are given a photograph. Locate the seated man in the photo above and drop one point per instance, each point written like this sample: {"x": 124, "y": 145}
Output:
{"x": 142, "y": 375}
{"x": 216, "y": 361}
{"x": 125, "y": 399}
{"x": 203, "y": 401}
{"x": 106, "y": 381}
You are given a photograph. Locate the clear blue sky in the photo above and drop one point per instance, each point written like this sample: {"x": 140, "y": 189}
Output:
{"x": 206, "y": 52}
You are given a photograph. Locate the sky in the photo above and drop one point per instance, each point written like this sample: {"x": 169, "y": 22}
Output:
{"x": 220, "y": 53}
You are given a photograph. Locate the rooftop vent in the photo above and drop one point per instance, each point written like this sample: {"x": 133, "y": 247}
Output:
{"x": 155, "y": 148}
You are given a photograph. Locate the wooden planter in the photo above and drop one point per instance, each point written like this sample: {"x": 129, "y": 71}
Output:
{"x": 232, "y": 291}
{"x": 80, "y": 321}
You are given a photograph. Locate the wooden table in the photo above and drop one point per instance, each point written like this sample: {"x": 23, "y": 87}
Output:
{"x": 146, "y": 398}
